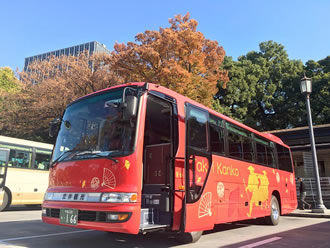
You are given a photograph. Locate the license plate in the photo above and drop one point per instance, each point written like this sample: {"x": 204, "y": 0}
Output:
{"x": 69, "y": 216}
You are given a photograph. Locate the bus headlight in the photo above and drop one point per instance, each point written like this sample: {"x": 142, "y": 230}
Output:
{"x": 115, "y": 197}
{"x": 48, "y": 196}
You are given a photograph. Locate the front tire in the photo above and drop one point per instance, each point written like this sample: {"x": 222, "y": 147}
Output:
{"x": 6, "y": 199}
{"x": 274, "y": 217}
{"x": 189, "y": 237}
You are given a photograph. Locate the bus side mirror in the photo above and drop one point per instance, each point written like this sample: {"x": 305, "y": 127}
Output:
{"x": 54, "y": 127}
{"x": 129, "y": 107}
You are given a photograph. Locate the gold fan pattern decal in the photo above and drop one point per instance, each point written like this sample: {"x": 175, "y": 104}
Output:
{"x": 109, "y": 179}
{"x": 204, "y": 208}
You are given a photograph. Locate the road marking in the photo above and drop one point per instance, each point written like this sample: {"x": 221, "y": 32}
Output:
{"x": 262, "y": 242}
{"x": 42, "y": 236}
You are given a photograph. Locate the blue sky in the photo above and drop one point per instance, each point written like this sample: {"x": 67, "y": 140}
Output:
{"x": 37, "y": 26}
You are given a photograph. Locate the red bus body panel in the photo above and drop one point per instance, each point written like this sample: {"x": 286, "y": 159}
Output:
{"x": 238, "y": 190}
{"x": 235, "y": 190}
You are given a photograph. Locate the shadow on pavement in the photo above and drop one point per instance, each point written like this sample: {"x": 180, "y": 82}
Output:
{"x": 311, "y": 236}
{"x": 23, "y": 208}
{"x": 38, "y": 234}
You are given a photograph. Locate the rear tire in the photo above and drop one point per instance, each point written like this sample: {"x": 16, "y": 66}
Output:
{"x": 189, "y": 237}
{"x": 274, "y": 217}
{"x": 6, "y": 200}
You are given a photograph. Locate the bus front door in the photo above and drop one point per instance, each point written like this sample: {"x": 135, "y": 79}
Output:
{"x": 4, "y": 156}
{"x": 157, "y": 196}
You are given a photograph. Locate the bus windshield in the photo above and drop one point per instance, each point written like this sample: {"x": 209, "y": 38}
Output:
{"x": 95, "y": 127}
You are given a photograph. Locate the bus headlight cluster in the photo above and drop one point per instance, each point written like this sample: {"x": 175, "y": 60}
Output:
{"x": 114, "y": 197}
{"x": 48, "y": 196}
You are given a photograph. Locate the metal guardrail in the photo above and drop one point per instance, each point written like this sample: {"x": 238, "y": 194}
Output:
{"x": 311, "y": 190}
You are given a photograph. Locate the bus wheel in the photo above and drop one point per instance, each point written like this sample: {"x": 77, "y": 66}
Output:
{"x": 6, "y": 199}
{"x": 274, "y": 217}
{"x": 189, "y": 237}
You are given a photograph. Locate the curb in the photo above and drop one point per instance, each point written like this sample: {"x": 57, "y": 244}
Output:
{"x": 309, "y": 215}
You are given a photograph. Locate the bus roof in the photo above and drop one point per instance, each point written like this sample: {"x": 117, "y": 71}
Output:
{"x": 161, "y": 89}
{"x": 16, "y": 141}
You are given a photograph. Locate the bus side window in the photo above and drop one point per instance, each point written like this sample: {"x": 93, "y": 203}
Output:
{"x": 42, "y": 161}
{"x": 261, "y": 153}
{"x": 270, "y": 157}
{"x": 198, "y": 165}
{"x": 11, "y": 161}
{"x": 217, "y": 135}
{"x": 235, "y": 145}
{"x": 20, "y": 159}
{"x": 284, "y": 158}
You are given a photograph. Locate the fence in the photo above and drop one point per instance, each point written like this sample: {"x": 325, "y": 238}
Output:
{"x": 311, "y": 190}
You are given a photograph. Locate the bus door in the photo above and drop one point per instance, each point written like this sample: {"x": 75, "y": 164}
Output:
{"x": 198, "y": 202}
{"x": 4, "y": 156}
{"x": 157, "y": 192}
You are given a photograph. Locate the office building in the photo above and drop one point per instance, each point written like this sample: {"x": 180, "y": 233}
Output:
{"x": 90, "y": 47}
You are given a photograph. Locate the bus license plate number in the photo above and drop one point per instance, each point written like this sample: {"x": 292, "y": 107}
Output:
{"x": 69, "y": 216}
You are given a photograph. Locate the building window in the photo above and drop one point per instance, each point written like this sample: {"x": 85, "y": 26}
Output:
{"x": 87, "y": 46}
{"x": 91, "y": 47}
{"x": 76, "y": 52}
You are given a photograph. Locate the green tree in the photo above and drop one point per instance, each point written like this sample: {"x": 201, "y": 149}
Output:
{"x": 10, "y": 86}
{"x": 320, "y": 98}
{"x": 8, "y": 81}
{"x": 264, "y": 89}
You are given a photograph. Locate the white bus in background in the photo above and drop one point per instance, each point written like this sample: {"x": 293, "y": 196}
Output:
{"x": 26, "y": 179}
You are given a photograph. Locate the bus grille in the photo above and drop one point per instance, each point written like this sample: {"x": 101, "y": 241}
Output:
{"x": 82, "y": 215}
{"x": 53, "y": 212}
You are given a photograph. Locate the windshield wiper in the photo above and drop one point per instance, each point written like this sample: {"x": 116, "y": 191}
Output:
{"x": 95, "y": 153}
{"x": 68, "y": 152}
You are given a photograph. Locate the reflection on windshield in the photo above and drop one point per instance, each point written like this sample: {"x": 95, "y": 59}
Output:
{"x": 95, "y": 124}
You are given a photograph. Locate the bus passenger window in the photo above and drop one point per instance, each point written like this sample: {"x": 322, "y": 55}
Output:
{"x": 284, "y": 159}
{"x": 217, "y": 135}
{"x": 270, "y": 157}
{"x": 11, "y": 161}
{"x": 261, "y": 154}
{"x": 265, "y": 152}
{"x": 20, "y": 159}
{"x": 247, "y": 149}
{"x": 42, "y": 161}
{"x": 197, "y": 129}
{"x": 235, "y": 146}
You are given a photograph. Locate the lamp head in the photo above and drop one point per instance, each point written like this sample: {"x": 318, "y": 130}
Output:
{"x": 306, "y": 85}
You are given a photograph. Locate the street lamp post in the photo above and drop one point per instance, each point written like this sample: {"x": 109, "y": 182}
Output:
{"x": 306, "y": 89}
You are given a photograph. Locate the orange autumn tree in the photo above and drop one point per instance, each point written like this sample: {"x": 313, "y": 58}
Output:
{"x": 178, "y": 57}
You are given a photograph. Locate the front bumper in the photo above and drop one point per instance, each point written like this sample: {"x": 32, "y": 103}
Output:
{"x": 93, "y": 215}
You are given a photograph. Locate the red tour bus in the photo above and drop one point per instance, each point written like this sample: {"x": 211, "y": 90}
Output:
{"x": 139, "y": 157}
